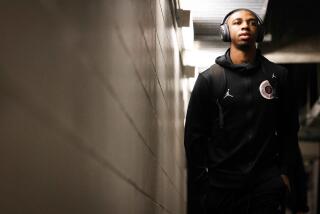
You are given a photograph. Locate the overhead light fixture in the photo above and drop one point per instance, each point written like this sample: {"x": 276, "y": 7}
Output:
{"x": 183, "y": 18}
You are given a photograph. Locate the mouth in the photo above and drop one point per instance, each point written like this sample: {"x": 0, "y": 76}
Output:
{"x": 245, "y": 36}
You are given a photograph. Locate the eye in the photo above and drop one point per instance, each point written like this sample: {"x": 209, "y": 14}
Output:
{"x": 237, "y": 22}
{"x": 253, "y": 22}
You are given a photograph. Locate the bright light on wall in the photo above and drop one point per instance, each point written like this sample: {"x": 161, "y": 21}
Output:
{"x": 201, "y": 58}
{"x": 186, "y": 4}
{"x": 188, "y": 37}
{"x": 187, "y": 32}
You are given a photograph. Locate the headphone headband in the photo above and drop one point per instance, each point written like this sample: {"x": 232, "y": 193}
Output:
{"x": 239, "y": 9}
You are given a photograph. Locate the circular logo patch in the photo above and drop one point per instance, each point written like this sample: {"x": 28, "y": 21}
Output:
{"x": 266, "y": 90}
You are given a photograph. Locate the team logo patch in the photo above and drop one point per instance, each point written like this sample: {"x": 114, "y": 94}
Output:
{"x": 266, "y": 90}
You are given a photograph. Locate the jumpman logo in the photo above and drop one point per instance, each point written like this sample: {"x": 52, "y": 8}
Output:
{"x": 227, "y": 94}
{"x": 273, "y": 76}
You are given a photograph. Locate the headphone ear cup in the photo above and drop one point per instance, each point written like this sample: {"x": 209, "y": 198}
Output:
{"x": 224, "y": 32}
{"x": 260, "y": 34}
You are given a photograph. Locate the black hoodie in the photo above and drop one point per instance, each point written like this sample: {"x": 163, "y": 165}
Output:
{"x": 260, "y": 124}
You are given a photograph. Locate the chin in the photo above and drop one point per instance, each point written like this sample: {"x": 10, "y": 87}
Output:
{"x": 245, "y": 46}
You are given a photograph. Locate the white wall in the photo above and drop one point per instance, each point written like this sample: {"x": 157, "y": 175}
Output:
{"x": 91, "y": 108}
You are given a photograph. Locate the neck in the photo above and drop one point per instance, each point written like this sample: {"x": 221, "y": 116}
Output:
{"x": 242, "y": 55}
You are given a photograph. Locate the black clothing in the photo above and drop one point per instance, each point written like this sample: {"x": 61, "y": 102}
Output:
{"x": 260, "y": 124}
{"x": 297, "y": 198}
{"x": 261, "y": 197}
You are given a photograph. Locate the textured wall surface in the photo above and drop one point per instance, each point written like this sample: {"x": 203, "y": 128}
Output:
{"x": 91, "y": 108}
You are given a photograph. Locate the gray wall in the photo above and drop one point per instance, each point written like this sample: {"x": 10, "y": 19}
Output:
{"x": 91, "y": 112}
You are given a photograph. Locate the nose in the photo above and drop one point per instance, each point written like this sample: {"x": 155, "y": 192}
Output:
{"x": 245, "y": 25}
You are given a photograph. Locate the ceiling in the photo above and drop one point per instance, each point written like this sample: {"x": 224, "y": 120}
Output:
{"x": 291, "y": 32}
{"x": 208, "y": 14}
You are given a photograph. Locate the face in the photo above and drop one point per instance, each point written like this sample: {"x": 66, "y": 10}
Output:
{"x": 243, "y": 27}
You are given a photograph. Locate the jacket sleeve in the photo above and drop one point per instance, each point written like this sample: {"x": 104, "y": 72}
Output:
{"x": 301, "y": 201}
{"x": 298, "y": 197}
{"x": 288, "y": 126}
{"x": 197, "y": 125}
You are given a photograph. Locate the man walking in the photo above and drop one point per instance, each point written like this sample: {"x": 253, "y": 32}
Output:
{"x": 241, "y": 127}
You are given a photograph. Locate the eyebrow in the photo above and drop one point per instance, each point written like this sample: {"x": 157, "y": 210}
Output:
{"x": 241, "y": 19}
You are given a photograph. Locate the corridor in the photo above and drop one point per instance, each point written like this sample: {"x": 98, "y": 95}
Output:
{"x": 94, "y": 96}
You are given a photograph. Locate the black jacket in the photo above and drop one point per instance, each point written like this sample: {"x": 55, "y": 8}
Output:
{"x": 260, "y": 124}
{"x": 297, "y": 200}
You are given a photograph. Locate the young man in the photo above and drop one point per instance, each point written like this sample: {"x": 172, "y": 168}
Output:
{"x": 241, "y": 128}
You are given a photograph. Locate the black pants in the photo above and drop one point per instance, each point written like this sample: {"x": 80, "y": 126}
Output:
{"x": 264, "y": 197}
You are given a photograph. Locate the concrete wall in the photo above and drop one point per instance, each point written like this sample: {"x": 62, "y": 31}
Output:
{"x": 91, "y": 112}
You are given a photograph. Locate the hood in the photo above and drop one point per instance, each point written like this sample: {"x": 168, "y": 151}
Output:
{"x": 244, "y": 68}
